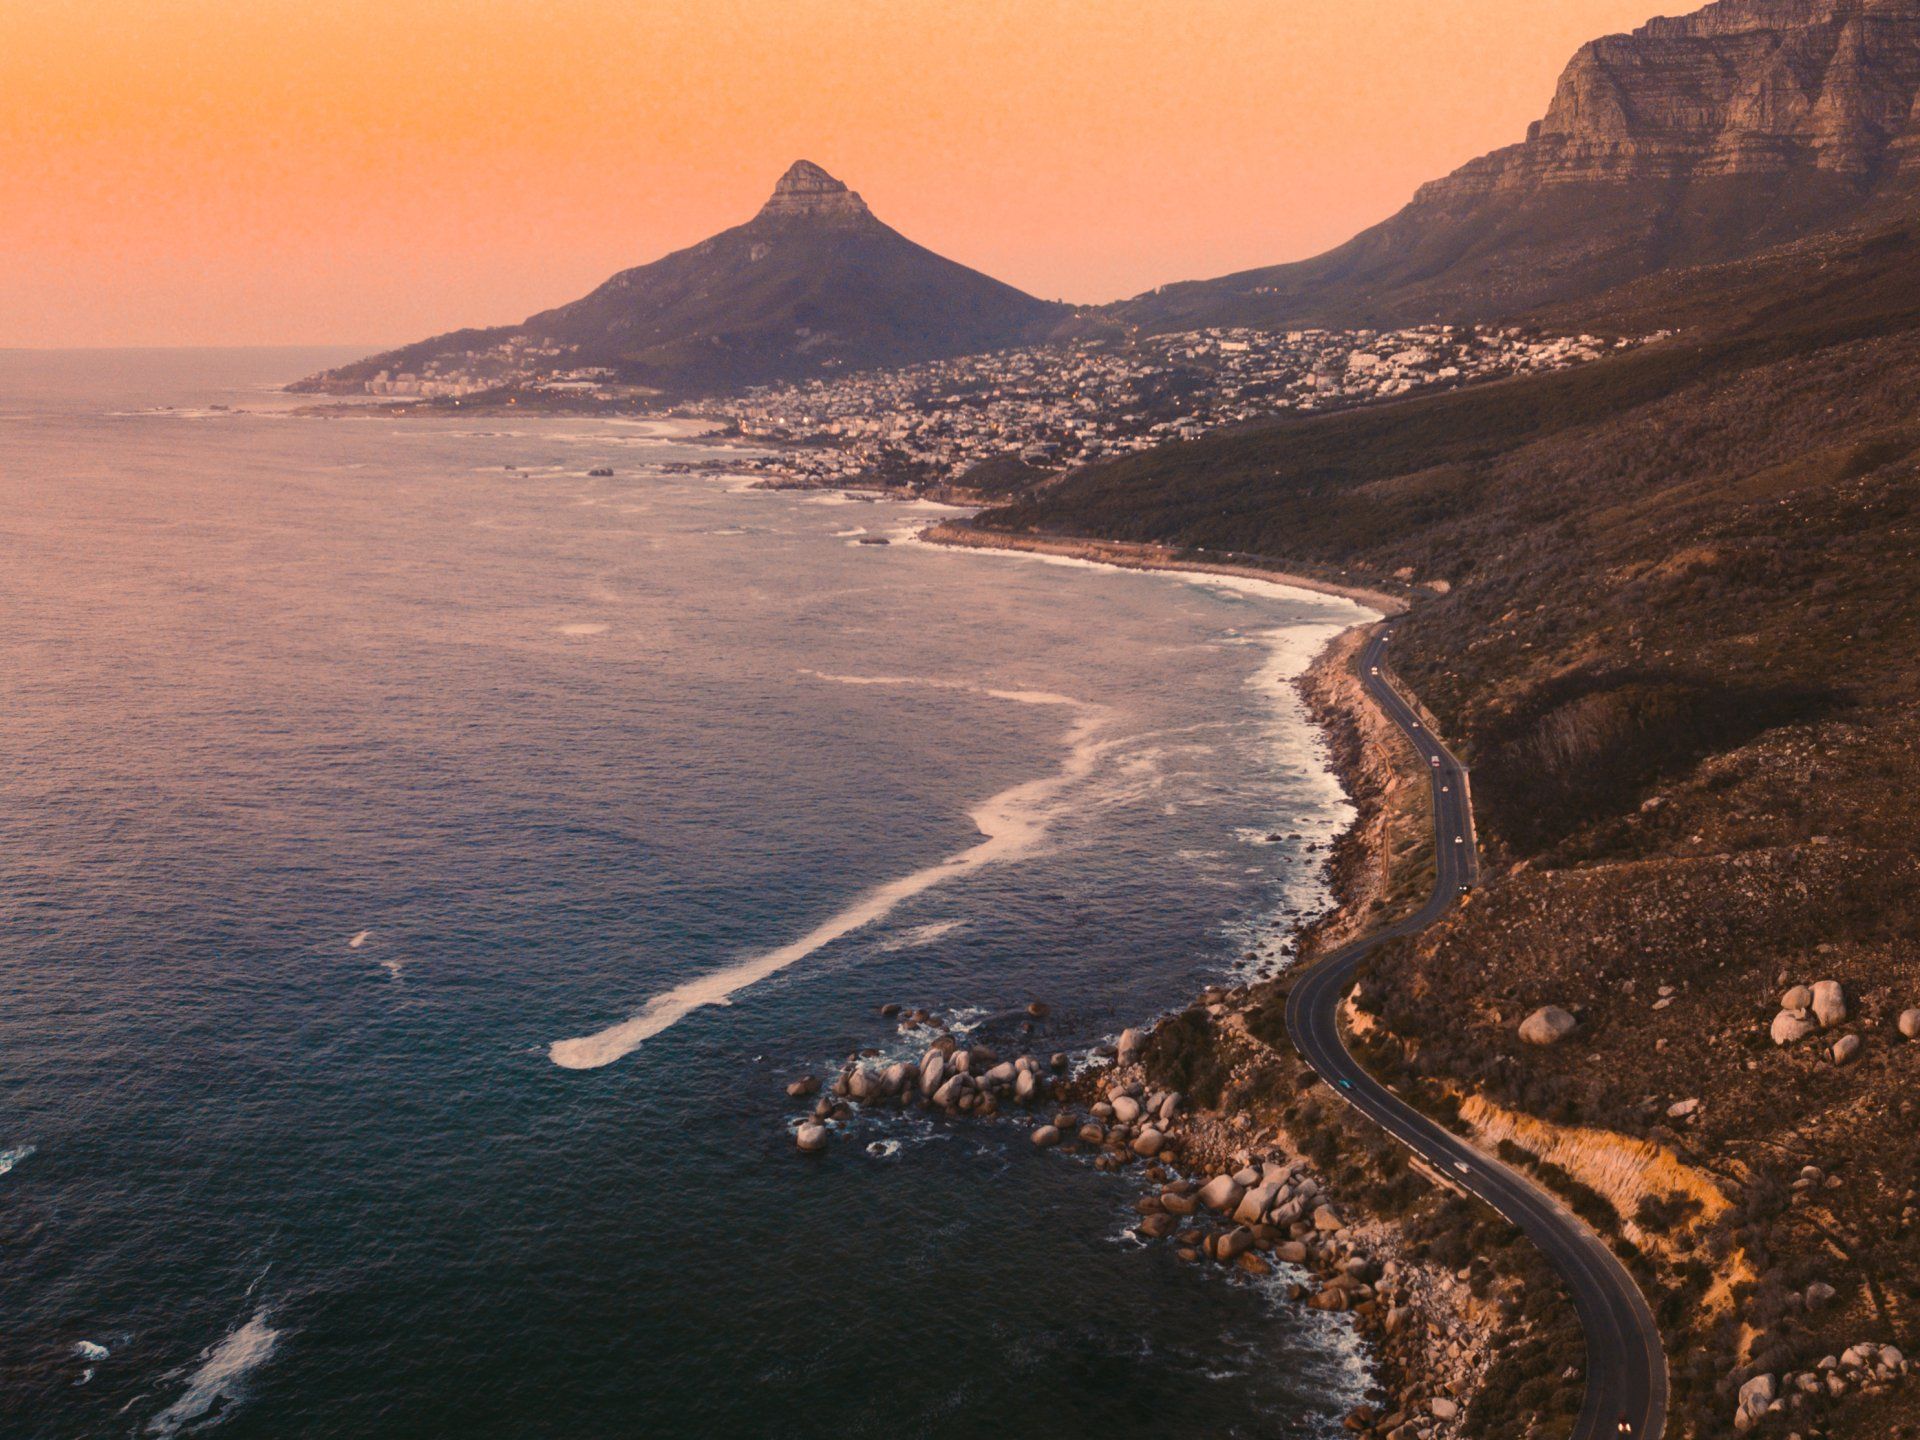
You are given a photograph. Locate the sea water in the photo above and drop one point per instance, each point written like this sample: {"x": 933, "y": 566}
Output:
{"x": 423, "y": 865}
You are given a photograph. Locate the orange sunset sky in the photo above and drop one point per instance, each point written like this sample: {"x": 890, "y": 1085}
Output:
{"x": 193, "y": 172}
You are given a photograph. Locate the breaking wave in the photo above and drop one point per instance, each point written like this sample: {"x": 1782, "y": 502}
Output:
{"x": 222, "y": 1371}
{"x": 1012, "y": 825}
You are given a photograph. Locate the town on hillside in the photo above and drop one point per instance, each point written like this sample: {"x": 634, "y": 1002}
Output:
{"x": 1056, "y": 406}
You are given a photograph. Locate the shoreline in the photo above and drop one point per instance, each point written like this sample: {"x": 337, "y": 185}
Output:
{"x": 1227, "y": 1181}
{"x": 1134, "y": 555}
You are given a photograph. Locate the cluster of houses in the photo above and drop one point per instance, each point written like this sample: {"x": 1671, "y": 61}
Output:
{"x": 516, "y": 363}
{"x": 1067, "y": 404}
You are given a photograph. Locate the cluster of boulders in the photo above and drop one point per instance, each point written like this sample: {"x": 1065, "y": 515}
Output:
{"x": 1807, "y": 1010}
{"x": 1866, "y": 1368}
{"x": 1129, "y": 1121}
{"x": 951, "y": 1078}
{"x": 1273, "y": 1208}
{"x": 1255, "y": 1214}
{"x": 1275, "y": 1212}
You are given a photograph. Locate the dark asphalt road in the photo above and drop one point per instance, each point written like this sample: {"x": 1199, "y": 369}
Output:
{"x": 1626, "y": 1369}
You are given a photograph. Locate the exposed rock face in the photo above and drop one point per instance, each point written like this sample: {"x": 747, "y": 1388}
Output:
{"x": 1689, "y": 141}
{"x": 1743, "y": 87}
{"x": 806, "y": 192}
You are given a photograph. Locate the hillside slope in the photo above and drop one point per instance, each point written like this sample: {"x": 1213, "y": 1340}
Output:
{"x": 1677, "y": 648}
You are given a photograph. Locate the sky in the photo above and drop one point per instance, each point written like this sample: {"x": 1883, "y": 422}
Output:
{"x": 233, "y": 172}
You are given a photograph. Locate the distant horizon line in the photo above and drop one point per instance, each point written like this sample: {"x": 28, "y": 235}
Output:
{"x": 252, "y": 345}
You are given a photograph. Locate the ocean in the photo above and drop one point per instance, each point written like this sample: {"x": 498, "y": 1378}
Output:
{"x": 423, "y": 865}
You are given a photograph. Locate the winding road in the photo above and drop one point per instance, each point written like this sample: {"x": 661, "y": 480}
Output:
{"x": 1626, "y": 1368}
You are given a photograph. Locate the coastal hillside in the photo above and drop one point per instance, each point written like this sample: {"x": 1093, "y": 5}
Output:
{"x": 814, "y": 284}
{"x": 1668, "y": 616}
{"x": 1690, "y": 141}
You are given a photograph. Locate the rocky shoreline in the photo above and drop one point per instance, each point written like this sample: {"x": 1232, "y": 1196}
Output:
{"x": 1219, "y": 1185}
{"x": 1223, "y": 1181}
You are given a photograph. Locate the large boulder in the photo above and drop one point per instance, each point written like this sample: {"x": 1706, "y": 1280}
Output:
{"x": 1148, "y": 1143}
{"x": 1755, "y": 1396}
{"x": 933, "y": 1069}
{"x": 1846, "y": 1049}
{"x": 1548, "y": 1025}
{"x": 1046, "y": 1135}
{"x": 1789, "y": 1026}
{"x": 1126, "y": 1109}
{"x": 1221, "y": 1194}
{"x": 1798, "y": 998}
{"x": 1829, "y": 1003}
{"x": 1253, "y": 1206}
{"x": 1129, "y": 1047}
{"x": 1910, "y": 1024}
{"x": 811, "y": 1137}
{"x": 1233, "y": 1243}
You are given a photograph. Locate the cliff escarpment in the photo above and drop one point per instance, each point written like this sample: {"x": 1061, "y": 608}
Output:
{"x": 1690, "y": 141}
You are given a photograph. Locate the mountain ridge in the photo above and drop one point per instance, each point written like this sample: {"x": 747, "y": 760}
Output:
{"x": 1690, "y": 141}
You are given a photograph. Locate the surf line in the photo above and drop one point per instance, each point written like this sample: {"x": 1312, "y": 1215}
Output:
{"x": 1011, "y": 824}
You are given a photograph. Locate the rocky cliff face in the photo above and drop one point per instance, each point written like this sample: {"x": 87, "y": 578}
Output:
{"x": 1691, "y": 141}
{"x": 1743, "y": 87}
{"x": 806, "y": 193}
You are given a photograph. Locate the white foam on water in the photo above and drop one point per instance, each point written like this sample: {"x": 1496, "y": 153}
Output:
{"x": 594, "y": 628}
{"x": 222, "y": 1370}
{"x": 1012, "y": 825}
{"x": 920, "y": 935}
{"x": 11, "y": 1158}
{"x": 358, "y": 940}
{"x": 88, "y": 1350}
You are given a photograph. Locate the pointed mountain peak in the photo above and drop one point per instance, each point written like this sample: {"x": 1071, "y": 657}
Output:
{"x": 807, "y": 191}
{"x": 803, "y": 177}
